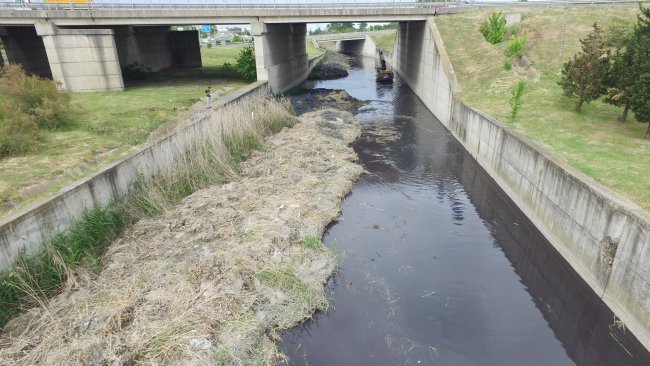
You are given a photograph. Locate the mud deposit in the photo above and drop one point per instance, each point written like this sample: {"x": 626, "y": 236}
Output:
{"x": 315, "y": 99}
{"x": 215, "y": 279}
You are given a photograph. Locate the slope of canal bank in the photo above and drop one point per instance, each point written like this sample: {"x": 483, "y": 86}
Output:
{"x": 215, "y": 278}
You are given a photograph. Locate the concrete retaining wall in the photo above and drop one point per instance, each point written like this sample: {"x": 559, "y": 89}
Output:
{"x": 575, "y": 213}
{"x": 28, "y": 229}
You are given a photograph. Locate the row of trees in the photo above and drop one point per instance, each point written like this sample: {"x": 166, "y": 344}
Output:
{"x": 346, "y": 27}
{"x": 614, "y": 65}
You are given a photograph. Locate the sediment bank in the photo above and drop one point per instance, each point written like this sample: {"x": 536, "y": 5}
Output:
{"x": 215, "y": 278}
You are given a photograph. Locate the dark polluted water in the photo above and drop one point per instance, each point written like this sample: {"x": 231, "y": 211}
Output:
{"x": 437, "y": 265}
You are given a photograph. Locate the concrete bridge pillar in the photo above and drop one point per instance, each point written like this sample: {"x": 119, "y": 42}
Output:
{"x": 82, "y": 59}
{"x": 281, "y": 54}
{"x": 157, "y": 47}
{"x": 24, "y": 47}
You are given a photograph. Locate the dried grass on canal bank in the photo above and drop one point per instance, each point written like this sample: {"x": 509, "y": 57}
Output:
{"x": 215, "y": 278}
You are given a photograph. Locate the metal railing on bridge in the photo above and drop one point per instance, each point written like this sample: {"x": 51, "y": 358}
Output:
{"x": 225, "y": 4}
{"x": 286, "y": 4}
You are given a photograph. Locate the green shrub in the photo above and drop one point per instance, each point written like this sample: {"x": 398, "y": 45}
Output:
{"x": 37, "y": 97}
{"x": 209, "y": 45}
{"x": 494, "y": 27}
{"x": 18, "y": 131}
{"x": 515, "y": 98}
{"x": 28, "y": 103}
{"x": 507, "y": 65}
{"x": 246, "y": 64}
{"x": 227, "y": 67}
{"x": 516, "y": 46}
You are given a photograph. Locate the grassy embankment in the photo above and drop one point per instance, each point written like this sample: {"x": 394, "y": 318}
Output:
{"x": 103, "y": 127}
{"x": 213, "y": 158}
{"x": 312, "y": 51}
{"x": 593, "y": 141}
{"x": 384, "y": 41}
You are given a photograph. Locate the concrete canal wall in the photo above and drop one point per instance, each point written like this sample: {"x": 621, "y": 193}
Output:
{"x": 603, "y": 236}
{"x": 29, "y": 228}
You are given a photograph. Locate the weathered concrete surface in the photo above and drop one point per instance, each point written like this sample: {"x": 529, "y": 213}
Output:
{"x": 82, "y": 60}
{"x": 148, "y": 46}
{"x": 575, "y": 213}
{"x": 27, "y": 229}
{"x": 23, "y": 46}
{"x": 207, "y": 15}
{"x": 281, "y": 54}
{"x": 157, "y": 48}
{"x": 185, "y": 48}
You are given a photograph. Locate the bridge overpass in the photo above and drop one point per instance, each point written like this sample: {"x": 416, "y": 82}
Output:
{"x": 85, "y": 46}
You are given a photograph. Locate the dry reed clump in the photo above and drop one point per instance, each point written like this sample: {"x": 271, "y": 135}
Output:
{"x": 216, "y": 278}
{"x": 212, "y": 155}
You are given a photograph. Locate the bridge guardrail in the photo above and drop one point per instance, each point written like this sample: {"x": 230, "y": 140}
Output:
{"x": 201, "y": 4}
{"x": 283, "y": 4}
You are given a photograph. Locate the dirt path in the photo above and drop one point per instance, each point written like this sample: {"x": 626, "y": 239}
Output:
{"x": 213, "y": 280}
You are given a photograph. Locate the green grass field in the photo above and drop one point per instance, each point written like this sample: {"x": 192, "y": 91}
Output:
{"x": 312, "y": 51}
{"x": 593, "y": 141}
{"x": 384, "y": 41}
{"x": 214, "y": 58}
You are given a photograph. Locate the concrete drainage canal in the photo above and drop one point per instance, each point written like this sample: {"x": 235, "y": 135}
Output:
{"x": 437, "y": 266}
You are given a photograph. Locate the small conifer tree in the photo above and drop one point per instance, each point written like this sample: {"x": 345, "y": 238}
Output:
{"x": 584, "y": 76}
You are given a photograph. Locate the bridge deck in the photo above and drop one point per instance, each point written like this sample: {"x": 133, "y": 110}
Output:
{"x": 93, "y": 14}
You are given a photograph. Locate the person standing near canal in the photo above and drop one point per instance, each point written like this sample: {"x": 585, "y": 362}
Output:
{"x": 382, "y": 60}
{"x": 208, "y": 97}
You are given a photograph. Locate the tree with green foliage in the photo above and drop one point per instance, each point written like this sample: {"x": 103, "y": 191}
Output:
{"x": 344, "y": 27}
{"x": 494, "y": 27}
{"x": 246, "y": 66}
{"x": 584, "y": 76}
{"x": 640, "y": 101}
{"x": 620, "y": 80}
{"x": 638, "y": 49}
{"x": 624, "y": 69}
{"x": 515, "y": 98}
{"x": 516, "y": 46}
{"x": 363, "y": 26}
